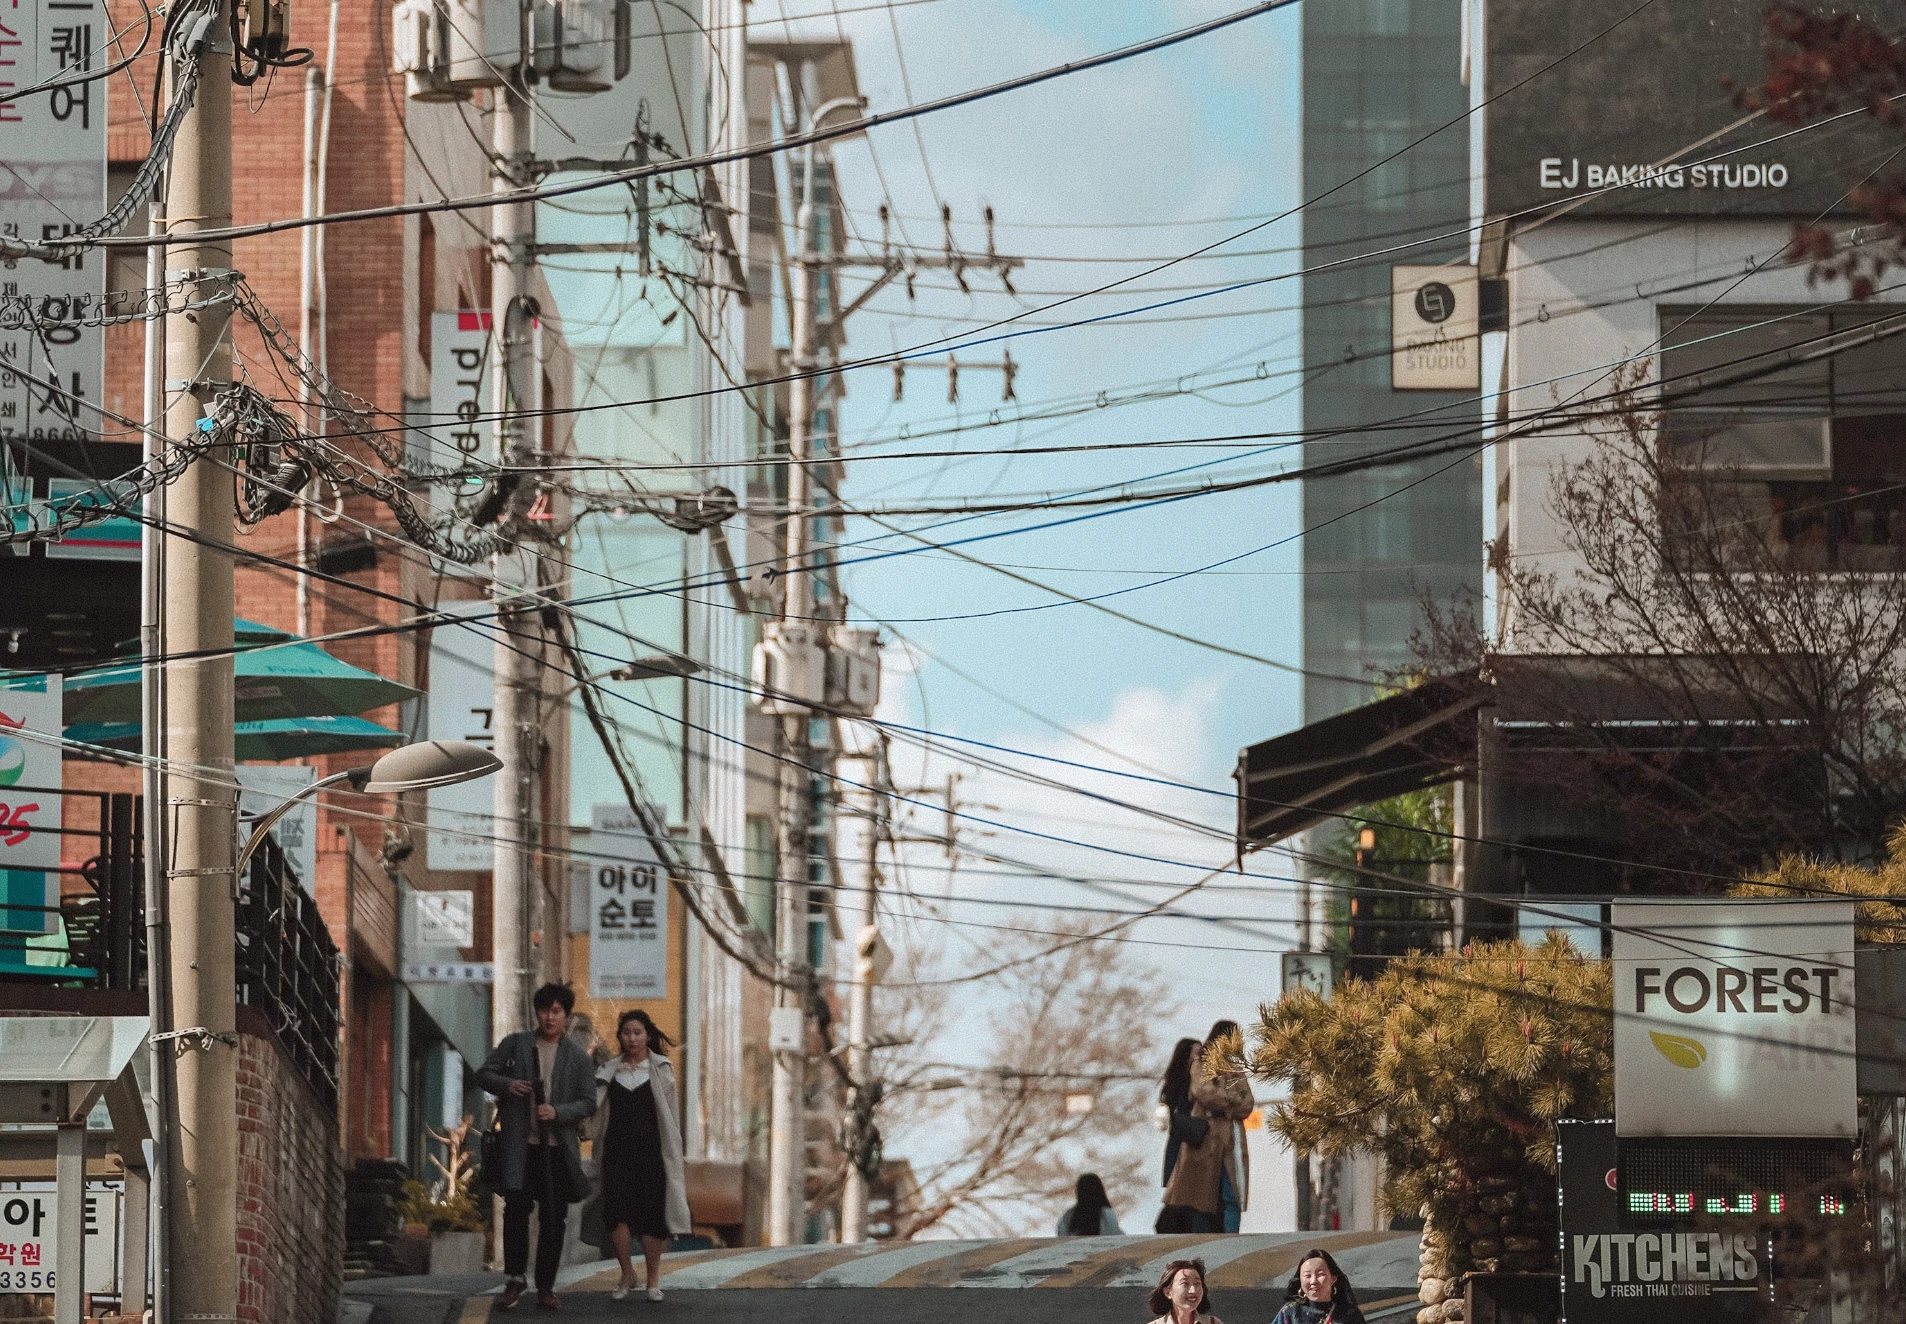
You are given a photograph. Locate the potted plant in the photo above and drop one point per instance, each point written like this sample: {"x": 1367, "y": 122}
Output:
{"x": 448, "y": 1207}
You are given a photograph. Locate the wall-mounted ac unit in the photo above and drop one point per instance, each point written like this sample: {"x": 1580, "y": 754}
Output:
{"x": 790, "y": 669}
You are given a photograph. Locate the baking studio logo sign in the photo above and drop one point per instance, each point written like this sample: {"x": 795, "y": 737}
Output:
{"x": 1571, "y": 173}
{"x": 1664, "y": 1264}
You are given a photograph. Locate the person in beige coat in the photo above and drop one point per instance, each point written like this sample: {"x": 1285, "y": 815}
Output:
{"x": 1210, "y": 1181}
{"x": 638, "y": 1150}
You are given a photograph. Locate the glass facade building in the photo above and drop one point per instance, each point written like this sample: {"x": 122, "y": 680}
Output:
{"x": 1378, "y": 75}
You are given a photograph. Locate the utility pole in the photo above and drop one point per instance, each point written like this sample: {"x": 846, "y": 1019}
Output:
{"x": 868, "y": 951}
{"x": 517, "y": 655}
{"x": 201, "y": 800}
{"x": 787, "y": 1140}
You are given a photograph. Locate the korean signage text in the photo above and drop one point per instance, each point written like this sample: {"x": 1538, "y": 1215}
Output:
{"x": 628, "y": 910}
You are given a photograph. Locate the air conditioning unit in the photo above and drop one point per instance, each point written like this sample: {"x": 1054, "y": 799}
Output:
{"x": 420, "y": 51}
{"x": 573, "y": 38}
{"x": 853, "y": 671}
{"x": 790, "y": 669}
{"x": 484, "y": 43}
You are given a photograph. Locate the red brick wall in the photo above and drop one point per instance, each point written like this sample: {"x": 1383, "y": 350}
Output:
{"x": 290, "y": 1190}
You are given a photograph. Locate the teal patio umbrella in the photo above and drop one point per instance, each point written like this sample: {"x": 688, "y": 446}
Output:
{"x": 285, "y": 738}
{"x": 276, "y": 681}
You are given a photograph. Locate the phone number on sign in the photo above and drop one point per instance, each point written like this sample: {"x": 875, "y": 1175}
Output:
{"x": 26, "y": 1280}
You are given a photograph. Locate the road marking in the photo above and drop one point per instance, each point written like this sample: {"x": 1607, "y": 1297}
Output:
{"x": 476, "y": 1310}
{"x": 952, "y": 1270}
{"x": 895, "y": 1266}
{"x": 1125, "y": 1260}
{"x": 800, "y": 1272}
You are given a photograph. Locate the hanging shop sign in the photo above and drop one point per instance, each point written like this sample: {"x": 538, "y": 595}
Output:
{"x": 628, "y": 910}
{"x": 30, "y": 726}
{"x": 459, "y": 385}
{"x": 1734, "y": 1019}
{"x": 461, "y": 695}
{"x": 1435, "y": 320}
{"x": 52, "y": 372}
{"x": 263, "y": 787}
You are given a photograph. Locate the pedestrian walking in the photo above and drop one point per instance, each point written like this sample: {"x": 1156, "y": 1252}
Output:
{"x": 1226, "y": 1100}
{"x": 544, "y": 1086}
{"x": 1180, "y": 1297}
{"x": 1188, "y": 1206}
{"x": 638, "y": 1148}
{"x": 1091, "y": 1212}
{"x": 1319, "y": 1294}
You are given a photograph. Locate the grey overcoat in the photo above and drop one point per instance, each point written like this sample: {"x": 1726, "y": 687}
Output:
{"x": 572, "y": 1092}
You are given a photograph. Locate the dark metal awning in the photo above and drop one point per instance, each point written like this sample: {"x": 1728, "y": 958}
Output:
{"x": 1422, "y": 737}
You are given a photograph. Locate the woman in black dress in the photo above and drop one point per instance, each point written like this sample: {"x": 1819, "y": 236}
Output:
{"x": 638, "y": 1147}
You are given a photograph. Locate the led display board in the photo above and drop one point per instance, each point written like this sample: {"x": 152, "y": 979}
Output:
{"x": 1615, "y": 110}
{"x": 1731, "y": 1182}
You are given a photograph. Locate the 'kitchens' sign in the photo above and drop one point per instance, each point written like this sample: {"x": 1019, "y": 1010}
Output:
{"x": 1734, "y": 1019}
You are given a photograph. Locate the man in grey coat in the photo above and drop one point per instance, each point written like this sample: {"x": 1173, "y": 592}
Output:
{"x": 545, "y": 1085}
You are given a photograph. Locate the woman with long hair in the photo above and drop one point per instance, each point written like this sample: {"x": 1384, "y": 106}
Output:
{"x": 1180, "y": 1297}
{"x": 1226, "y": 1101}
{"x": 1091, "y": 1212}
{"x": 1181, "y": 1129}
{"x": 1319, "y": 1294}
{"x": 638, "y": 1146}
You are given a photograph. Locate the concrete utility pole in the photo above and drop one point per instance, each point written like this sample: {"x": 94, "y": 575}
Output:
{"x": 787, "y": 1141}
{"x": 517, "y": 656}
{"x": 860, "y": 1000}
{"x": 201, "y": 799}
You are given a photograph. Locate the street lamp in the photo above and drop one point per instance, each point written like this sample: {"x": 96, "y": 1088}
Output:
{"x": 418, "y": 767}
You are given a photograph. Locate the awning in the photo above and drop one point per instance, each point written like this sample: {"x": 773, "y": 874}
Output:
{"x": 1422, "y": 737}
{"x": 286, "y": 738}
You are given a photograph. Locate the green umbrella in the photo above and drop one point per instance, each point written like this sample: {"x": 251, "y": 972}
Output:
{"x": 275, "y": 681}
{"x": 287, "y": 738}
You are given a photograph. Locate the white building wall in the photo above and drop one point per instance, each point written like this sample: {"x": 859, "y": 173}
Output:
{"x": 1584, "y": 299}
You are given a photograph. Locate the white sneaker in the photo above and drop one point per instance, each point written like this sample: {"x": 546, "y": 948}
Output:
{"x": 655, "y": 1294}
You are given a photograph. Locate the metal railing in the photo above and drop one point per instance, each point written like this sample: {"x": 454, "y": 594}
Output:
{"x": 287, "y": 965}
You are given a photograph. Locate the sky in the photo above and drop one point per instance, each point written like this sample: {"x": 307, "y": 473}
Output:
{"x": 1093, "y": 178}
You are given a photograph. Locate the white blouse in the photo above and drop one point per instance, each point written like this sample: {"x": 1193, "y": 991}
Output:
{"x": 631, "y": 1077}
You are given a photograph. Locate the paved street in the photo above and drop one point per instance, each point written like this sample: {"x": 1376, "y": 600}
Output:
{"x": 1088, "y": 1278}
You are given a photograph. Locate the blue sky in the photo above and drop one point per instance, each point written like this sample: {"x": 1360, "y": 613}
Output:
{"x": 1145, "y": 159}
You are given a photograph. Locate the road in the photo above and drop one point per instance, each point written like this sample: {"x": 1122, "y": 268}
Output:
{"x": 1101, "y": 1279}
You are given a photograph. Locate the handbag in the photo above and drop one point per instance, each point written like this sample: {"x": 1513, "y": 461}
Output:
{"x": 1189, "y": 1129}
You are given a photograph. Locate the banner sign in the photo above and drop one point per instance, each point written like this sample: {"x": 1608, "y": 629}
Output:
{"x": 1435, "y": 325}
{"x": 458, "y": 707}
{"x": 262, "y": 787}
{"x": 628, "y": 910}
{"x": 54, "y": 144}
{"x": 30, "y": 804}
{"x": 29, "y": 1239}
{"x": 459, "y": 385}
{"x": 1735, "y": 1019}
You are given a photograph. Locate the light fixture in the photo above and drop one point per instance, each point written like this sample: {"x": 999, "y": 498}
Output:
{"x": 418, "y": 767}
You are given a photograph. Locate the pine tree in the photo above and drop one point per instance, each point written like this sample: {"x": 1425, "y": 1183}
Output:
{"x": 1453, "y": 1069}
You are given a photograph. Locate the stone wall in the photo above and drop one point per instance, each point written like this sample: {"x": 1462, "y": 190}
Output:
{"x": 290, "y": 1188}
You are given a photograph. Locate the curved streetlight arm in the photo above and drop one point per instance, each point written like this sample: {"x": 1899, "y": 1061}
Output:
{"x": 357, "y": 777}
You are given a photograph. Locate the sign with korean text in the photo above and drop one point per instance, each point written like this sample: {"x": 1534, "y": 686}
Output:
{"x": 54, "y": 147}
{"x": 261, "y": 789}
{"x": 445, "y": 919}
{"x": 628, "y": 910}
{"x": 1734, "y": 1019}
{"x": 29, "y": 1239}
{"x": 449, "y": 972}
{"x": 1435, "y": 325}
{"x": 461, "y": 692}
{"x": 29, "y": 804}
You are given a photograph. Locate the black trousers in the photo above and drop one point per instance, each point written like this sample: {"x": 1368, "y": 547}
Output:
{"x": 551, "y": 1217}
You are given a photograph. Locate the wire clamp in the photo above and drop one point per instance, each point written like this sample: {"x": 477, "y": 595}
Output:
{"x": 202, "y": 1039}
